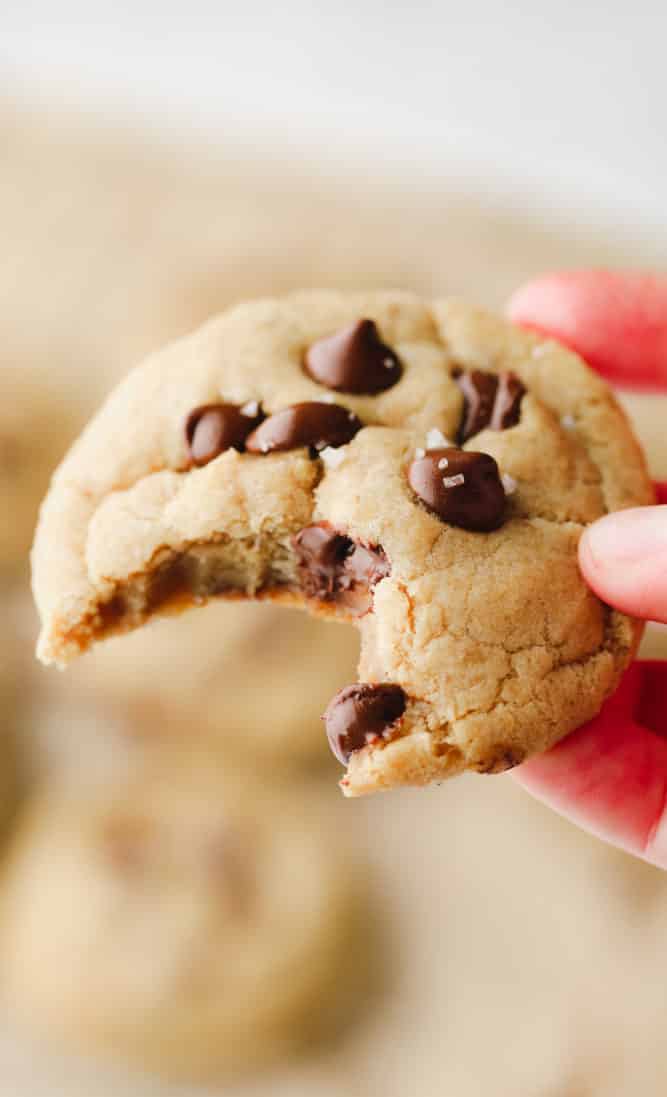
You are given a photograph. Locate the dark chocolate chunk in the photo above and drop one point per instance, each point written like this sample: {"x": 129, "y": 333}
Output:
{"x": 354, "y": 360}
{"x": 321, "y": 555}
{"x": 507, "y": 406}
{"x": 334, "y": 568}
{"x": 213, "y": 428}
{"x": 311, "y": 424}
{"x": 462, "y": 488}
{"x": 366, "y": 564}
{"x": 490, "y": 400}
{"x": 359, "y": 714}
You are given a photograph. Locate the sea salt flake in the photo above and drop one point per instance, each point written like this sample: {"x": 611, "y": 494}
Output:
{"x": 250, "y": 409}
{"x": 265, "y": 447}
{"x": 540, "y": 350}
{"x": 435, "y": 439}
{"x": 454, "y": 481}
{"x": 509, "y": 483}
{"x": 419, "y": 453}
{"x": 332, "y": 457}
{"x": 388, "y": 363}
{"x": 442, "y": 463}
{"x": 568, "y": 422}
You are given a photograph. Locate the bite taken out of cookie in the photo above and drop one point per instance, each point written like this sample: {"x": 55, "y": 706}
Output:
{"x": 422, "y": 469}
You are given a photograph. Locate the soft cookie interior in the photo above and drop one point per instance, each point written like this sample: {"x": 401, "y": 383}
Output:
{"x": 424, "y": 471}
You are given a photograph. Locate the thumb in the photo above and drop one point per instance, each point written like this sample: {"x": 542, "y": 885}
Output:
{"x": 623, "y": 557}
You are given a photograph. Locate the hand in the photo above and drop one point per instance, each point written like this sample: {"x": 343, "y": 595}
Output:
{"x": 610, "y": 776}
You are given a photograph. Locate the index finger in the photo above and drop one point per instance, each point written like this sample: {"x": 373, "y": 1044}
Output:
{"x": 616, "y": 321}
{"x": 610, "y": 776}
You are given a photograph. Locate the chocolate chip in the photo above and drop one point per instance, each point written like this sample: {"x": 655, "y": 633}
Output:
{"x": 490, "y": 400}
{"x": 366, "y": 565}
{"x": 360, "y": 714}
{"x": 321, "y": 555}
{"x": 213, "y": 428}
{"x": 507, "y": 406}
{"x": 354, "y": 360}
{"x": 311, "y": 424}
{"x": 462, "y": 488}
{"x": 334, "y": 568}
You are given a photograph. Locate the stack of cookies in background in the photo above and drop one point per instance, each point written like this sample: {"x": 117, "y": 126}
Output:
{"x": 186, "y": 896}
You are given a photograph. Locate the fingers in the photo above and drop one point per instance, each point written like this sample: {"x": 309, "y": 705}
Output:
{"x": 623, "y": 557}
{"x": 617, "y": 322}
{"x": 610, "y": 776}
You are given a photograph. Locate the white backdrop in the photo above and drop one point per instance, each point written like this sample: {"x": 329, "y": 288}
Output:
{"x": 540, "y": 104}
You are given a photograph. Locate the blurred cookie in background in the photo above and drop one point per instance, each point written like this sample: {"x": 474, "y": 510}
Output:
{"x": 186, "y": 923}
{"x": 36, "y": 426}
{"x": 250, "y": 680}
{"x": 11, "y": 685}
{"x": 9, "y": 767}
{"x": 9, "y": 760}
{"x": 654, "y": 642}
{"x": 647, "y": 411}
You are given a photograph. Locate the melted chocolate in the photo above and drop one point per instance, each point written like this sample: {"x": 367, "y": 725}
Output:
{"x": 312, "y": 424}
{"x": 360, "y": 714}
{"x": 460, "y": 487}
{"x": 334, "y": 568}
{"x": 489, "y": 400}
{"x": 354, "y": 360}
{"x": 214, "y": 428}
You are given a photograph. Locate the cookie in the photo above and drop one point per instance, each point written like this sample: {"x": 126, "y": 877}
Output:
{"x": 250, "y": 681}
{"x": 422, "y": 469}
{"x": 35, "y": 431}
{"x": 186, "y": 923}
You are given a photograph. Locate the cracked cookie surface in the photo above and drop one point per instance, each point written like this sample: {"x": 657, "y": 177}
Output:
{"x": 496, "y": 643}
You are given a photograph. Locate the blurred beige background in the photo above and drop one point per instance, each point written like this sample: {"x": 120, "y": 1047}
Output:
{"x": 526, "y": 959}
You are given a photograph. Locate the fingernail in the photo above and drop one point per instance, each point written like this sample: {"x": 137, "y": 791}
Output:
{"x": 627, "y": 535}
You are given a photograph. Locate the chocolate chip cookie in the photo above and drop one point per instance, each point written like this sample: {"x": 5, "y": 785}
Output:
{"x": 185, "y": 923}
{"x": 422, "y": 469}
